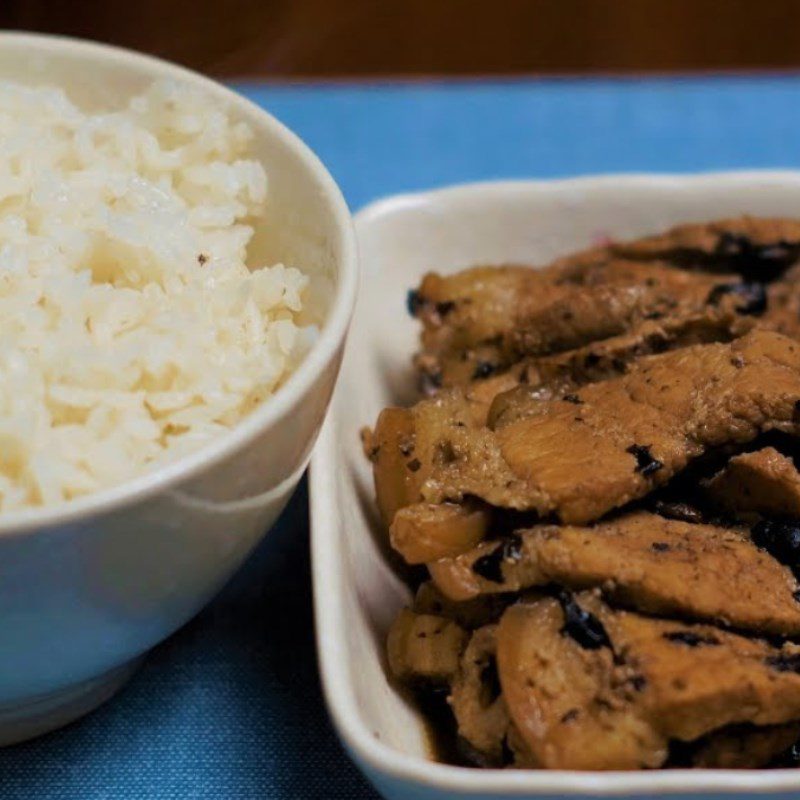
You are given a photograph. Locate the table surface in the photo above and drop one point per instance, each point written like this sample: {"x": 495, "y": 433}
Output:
{"x": 230, "y": 706}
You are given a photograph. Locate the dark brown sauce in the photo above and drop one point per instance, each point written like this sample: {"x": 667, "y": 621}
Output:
{"x": 441, "y": 732}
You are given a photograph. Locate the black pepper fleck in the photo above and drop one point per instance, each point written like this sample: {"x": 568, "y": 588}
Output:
{"x": 490, "y": 566}
{"x": 618, "y": 364}
{"x": 572, "y": 714}
{"x": 757, "y": 262}
{"x": 677, "y": 510}
{"x": 753, "y": 295}
{"x": 582, "y": 626}
{"x": 657, "y": 343}
{"x": 781, "y": 539}
{"x": 646, "y": 464}
{"x": 483, "y": 369}
{"x": 430, "y": 382}
{"x": 690, "y": 638}
{"x": 784, "y": 662}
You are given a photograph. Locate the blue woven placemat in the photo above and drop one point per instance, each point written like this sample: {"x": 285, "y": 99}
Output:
{"x": 230, "y": 707}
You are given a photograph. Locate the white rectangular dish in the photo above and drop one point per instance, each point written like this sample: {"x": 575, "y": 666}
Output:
{"x": 357, "y": 593}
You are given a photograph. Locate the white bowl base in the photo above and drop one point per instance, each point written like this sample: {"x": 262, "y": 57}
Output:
{"x": 45, "y": 713}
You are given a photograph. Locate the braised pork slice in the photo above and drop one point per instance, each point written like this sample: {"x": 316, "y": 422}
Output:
{"x": 783, "y": 304}
{"x": 476, "y": 701}
{"x": 610, "y": 443}
{"x": 469, "y": 614}
{"x": 640, "y": 560}
{"x": 424, "y": 647}
{"x": 607, "y": 303}
{"x": 588, "y": 687}
{"x": 758, "y": 249}
{"x": 480, "y": 321}
{"x": 404, "y": 447}
{"x": 553, "y": 376}
{"x": 765, "y": 482}
{"x": 429, "y": 531}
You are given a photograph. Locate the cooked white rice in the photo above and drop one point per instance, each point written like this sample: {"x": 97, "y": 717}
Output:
{"x": 132, "y": 328}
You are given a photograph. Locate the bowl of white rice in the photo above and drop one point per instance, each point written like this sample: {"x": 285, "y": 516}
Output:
{"x": 177, "y": 274}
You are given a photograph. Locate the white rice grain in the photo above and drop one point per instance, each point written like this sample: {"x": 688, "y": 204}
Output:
{"x": 132, "y": 328}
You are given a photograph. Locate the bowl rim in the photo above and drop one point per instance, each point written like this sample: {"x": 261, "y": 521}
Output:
{"x": 382, "y": 762}
{"x": 332, "y": 333}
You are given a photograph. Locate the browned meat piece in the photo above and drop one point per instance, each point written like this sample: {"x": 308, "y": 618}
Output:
{"x": 783, "y": 309}
{"x": 481, "y": 320}
{"x": 428, "y": 531}
{"x": 757, "y": 249}
{"x": 390, "y": 447}
{"x": 740, "y": 747}
{"x": 608, "y": 358}
{"x": 559, "y": 395}
{"x": 470, "y": 614}
{"x": 760, "y": 251}
{"x": 627, "y": 435}
{"x": 592, "y": 688}
{"x": 405, "y": 447}
{"x": 473, "y": 306}
{"x": 643, "y": 561}
{"x": 765, "y": 482}
{"x": 402, "y": 455}
{"x": 425, "y": 647}
{"x": 613, "y": 442}
{"x": 585, "y": 314}
{"x": 553, "y": 376}
{"x": 475, "y": 698}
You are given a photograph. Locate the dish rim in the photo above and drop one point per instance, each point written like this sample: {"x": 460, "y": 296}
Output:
{"x": 369, "y": 752}
{"x": 332, "y": 333}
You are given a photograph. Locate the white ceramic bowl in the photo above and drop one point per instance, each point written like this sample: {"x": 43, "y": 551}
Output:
{"x": 88, "y": 587}
{"x": 357, "y": 593}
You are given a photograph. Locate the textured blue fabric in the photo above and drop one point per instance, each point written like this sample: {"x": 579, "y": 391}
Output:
{"x": 230, "y": 707}
{"x": 379, "y": 139}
